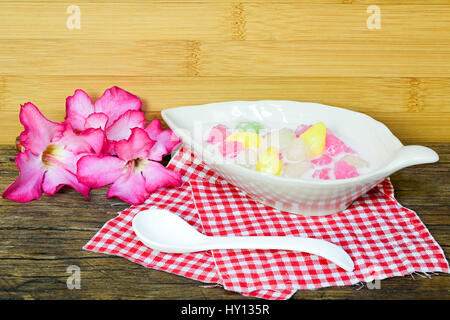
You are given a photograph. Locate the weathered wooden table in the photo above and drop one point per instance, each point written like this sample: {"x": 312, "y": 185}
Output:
{"x": 41, "y": 239}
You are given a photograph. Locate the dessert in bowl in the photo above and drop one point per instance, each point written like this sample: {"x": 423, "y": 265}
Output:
{"x": 369, "y": 140}
{"x": 305, "y": 152}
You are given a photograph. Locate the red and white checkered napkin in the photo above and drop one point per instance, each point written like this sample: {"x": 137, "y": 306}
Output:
{"x": 383, "y": 238}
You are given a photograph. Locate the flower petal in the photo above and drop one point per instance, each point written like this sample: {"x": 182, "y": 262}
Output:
{"x": 157, "y": 176}
{"x": 157, "y": 152}
{"x": 87, "y": 141}
{"x": 166, "y": 142}
{"x": 28, "y": 185}
{"x": 57, "y": 156}
{"x": 137, "y": 146}
{"x": 169, "y": 139}
{"x": 96, "y": 120}
{"x": 57, "y": 177}
{"x": 121, "y": 128}
{"x": 129, "y": 187}
{"x": 78, "y": 108}
{"x": 39, "y": 131}
{"x": 108, "y": 147}
{"x": 154, "y": 129}
{"x": 115, "y": 101}
{"x": 97, "y": 171}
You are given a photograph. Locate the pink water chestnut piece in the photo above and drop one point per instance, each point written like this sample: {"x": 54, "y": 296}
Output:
{"x": 334, "y": 145}
{"x": 323, "y": 160}
{"x": 218, "y": 134}
{"x": 231, "y": 149}
{"x": 322, "y": 174}
{"x": 343, "y": 170}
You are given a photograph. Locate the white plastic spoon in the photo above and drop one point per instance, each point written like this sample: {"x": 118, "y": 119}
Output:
{"x": 166, "y": 232}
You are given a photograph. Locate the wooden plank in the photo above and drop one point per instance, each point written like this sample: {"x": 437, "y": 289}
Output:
{"x": 426, "y": 95}
{"x": 86, "y": 57}
{"x": 344, "y": 2}
{"x": 323, "y": 58}
{"x": 125, "y": 21}
{"x": 259, "y": 21}
{"x": 417, "y": 110}
{"x": 39, "y": 240}
{"x": 415, "y": 128}
{"x": 300, "y": 21}
{"x": 223, "y": 58}
{"x": 108, "y": 277}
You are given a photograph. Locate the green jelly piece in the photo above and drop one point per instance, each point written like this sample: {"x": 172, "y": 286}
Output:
{"x": 249, "y": 126}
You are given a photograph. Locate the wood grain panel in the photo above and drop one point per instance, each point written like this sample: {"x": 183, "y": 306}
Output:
{"x": 223, "y": 58}
{"x": 93, "y": 57}
{"x": 425, "y": 95}
{"x": 293, "y": 21}
{"x": 263, "y": 21}
{"x": 174, "y": 54}
{"x": 126, "y": 21}
{"x": 323, "y": 58}
{"x": 325, "y": 2}
{"x": 415, "y": 109}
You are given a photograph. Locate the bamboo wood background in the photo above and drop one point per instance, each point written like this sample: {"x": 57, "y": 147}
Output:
{"x": 181, "y": 53}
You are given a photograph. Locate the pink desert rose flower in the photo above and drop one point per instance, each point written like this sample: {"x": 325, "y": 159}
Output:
{"x": 48, "y": 157}
{"x": 116, "y": 112}
{"x": 133, "y": 173}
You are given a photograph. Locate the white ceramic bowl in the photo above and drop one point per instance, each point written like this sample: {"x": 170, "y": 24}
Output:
{"x": 306, "y": 197}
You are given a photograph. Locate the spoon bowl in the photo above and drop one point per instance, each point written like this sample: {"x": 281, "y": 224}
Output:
{"x": 164, "y": 231}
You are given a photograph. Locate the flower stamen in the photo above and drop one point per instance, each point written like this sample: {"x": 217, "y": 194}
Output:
{"x": 136, "y": 164}
{"x": 52, "y": 155}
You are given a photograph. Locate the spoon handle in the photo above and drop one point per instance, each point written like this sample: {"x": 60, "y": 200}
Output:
{"x": 318, "y": 247}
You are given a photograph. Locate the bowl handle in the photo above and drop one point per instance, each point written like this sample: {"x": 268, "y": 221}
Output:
{"x": 412, "y": 155}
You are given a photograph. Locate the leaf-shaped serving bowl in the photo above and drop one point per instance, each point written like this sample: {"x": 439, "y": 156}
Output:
{"x": 305, "y": 197}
